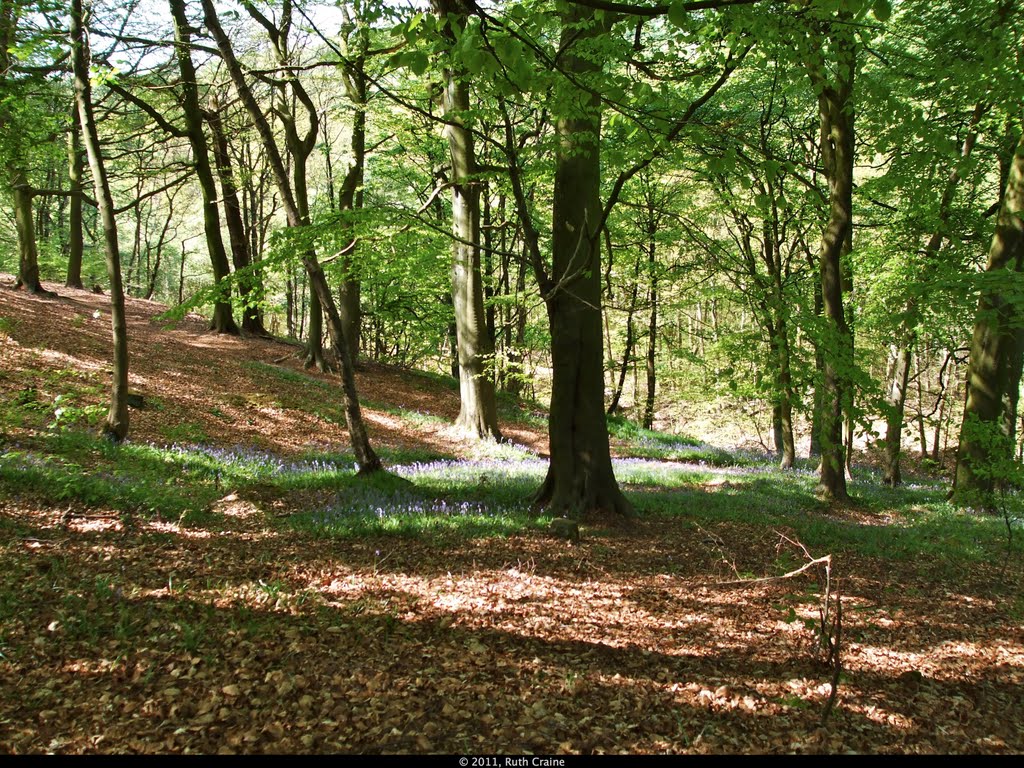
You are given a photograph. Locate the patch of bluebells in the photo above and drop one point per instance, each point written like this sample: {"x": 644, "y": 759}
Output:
{"x": 255, "y": 464}
{"x": 366, "y": 501}
{"x": 479, "y": 470}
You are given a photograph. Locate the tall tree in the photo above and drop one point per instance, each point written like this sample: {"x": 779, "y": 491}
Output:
{"x": 366, "y": 457}
{"x": 222, "y": 321}
{"x": 836, "y": 40}
{"x": 116, "y": 425}
{"x": 580, "y": 477}
{"x": 478, "y": 412}
{"x": 993, "y": 371}
{"x": 250, "y": 285}
{"x": 14, "y": 147}
{"x": 76, "y": 172}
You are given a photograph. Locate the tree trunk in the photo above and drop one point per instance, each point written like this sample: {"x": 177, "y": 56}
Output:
{"x": 835, "y": 108}
{"x": 315, "y": 342}
{"x": 478, "y": 412}
{"x": 76, "y": 172}
{"x": 250, "y": 286}
{"x": 351, "y": 195}
{"x": 28, "y": 254}
{"x": 116, "y": 425}
{"x": 366, "y": 457}
{"x": 907, "y": 333}
{"x": 627, "y": 353}
{"x": 580, "y": 477}
{"x": 990, "y": 373}
{"x": 652, "y": 341}
{"x": 222, "y": 321}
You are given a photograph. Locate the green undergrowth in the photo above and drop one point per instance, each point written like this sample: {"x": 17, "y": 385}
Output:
{"x": 427, "y": 495}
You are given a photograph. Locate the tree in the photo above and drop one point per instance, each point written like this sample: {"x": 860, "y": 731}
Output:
{"x": 836, "y": 111}
{"x": 580, "y": 477}
{"x": 15, "y": 145}
{"x": 993, "y": 372}
{"x": 222, "y": 321}
{"x": 365, "y": 455}
{"x": 116, "y": 425}
{"x": 478, "y": 414}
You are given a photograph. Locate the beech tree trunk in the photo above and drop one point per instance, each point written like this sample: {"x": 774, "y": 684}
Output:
{"x": 76, "y": 172}
{"x": 835, "y": 109}
{"x": 478, "y": 411}
{"x": 222, "y": 321}
{"x": 992, "y": 372}
{"x": 580, "y": 477}
{"x": 116, "y": 425}
{"x": 366, "y": 457}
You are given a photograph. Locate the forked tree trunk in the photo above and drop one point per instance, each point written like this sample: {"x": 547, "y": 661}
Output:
{"x": 116, "y": 425}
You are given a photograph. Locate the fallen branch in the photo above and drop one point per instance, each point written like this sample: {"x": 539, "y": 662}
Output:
{"x": 830, "y": 630}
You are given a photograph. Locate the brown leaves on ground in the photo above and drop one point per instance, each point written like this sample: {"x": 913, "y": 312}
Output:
{"x": 246, "y": 637}
{"x": 250, "y": 639}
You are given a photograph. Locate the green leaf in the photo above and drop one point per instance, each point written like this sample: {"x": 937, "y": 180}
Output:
{"x": 882, "y": 9}
{"x": 417, "y": 61}
{"x": 677, "y": 14}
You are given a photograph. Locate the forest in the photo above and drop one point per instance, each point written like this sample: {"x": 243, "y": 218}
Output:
{"x": 555, "y": 377}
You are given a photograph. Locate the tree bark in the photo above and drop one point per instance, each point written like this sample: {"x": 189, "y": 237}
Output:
{"x": 991, "y": 373}
{"x": 76, "y": 172}
{"x": 652, "y": 339}
{"x": 350, "y": 197}
{"x": 116, "y": 424}
{"x": 222, "y": 321}
{"x": 580, "y": 477}
{"x": 366, "y": 457}
{"x": 478, "y": 411}
{"x": 250, "y": 287}
{"x": 835, "y": 109}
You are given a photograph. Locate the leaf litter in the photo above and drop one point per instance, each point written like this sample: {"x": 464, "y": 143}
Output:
{"x": 246, "y": 636}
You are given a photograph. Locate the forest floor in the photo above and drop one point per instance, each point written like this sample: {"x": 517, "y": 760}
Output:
{"x": 193, "y": 591}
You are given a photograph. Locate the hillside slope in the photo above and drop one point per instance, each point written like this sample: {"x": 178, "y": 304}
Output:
{"x": 206, "y": 388}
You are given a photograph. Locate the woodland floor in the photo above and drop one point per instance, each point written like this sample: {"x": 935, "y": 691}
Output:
{"x": 244, "y": 635}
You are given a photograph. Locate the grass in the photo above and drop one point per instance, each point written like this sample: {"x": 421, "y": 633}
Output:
{"x": 429, "y": 495}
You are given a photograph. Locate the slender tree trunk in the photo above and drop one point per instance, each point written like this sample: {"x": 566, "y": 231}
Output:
{"x": 897, "y": 398}
{"x": 907, "y": 333}
{"x": 992, "y": 373}
{"x": 222, "y": 321}
{"x": 652, "y": 340}
{"x": 351, "y": 199}
{"x": 250, "y": 287}
{"x": 627, "y": 354}
{"x": 365, "y": 455}
{"x": 76, "y": 172}
{"x": 116, "y": 425}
